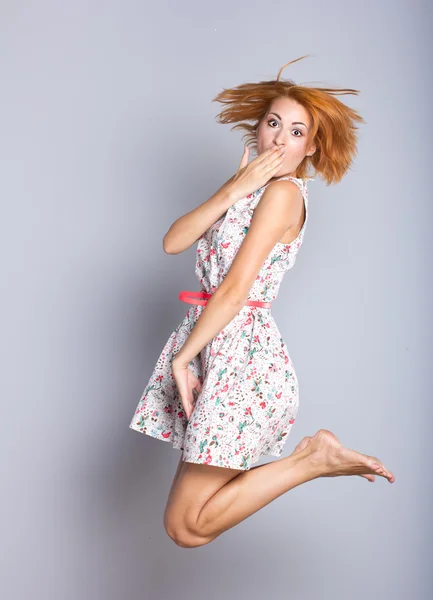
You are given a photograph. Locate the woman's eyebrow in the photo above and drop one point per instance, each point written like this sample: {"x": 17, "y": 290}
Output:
{"x": 294, "y": 122}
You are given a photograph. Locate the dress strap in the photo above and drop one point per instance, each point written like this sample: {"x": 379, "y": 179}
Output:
{"x": 301, "y": 183}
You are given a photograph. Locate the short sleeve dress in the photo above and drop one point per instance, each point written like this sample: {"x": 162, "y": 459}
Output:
{"x": 250, "y": 392}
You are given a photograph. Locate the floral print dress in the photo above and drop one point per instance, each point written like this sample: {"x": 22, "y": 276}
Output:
{"x": 250, "y": 393}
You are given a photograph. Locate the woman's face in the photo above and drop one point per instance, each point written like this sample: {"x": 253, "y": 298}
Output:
{"x": 287, "y": 123}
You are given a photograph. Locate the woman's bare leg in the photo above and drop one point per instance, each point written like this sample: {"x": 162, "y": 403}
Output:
{"x": 176, "y": 476}
{"x": 247, "y": 492}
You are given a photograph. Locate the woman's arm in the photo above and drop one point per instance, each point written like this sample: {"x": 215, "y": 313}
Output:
{"x": 278, "y": 210}
{"x": 188, "y": 228}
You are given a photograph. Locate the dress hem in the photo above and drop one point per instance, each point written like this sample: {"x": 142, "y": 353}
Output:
{"x": 197, "y": 462}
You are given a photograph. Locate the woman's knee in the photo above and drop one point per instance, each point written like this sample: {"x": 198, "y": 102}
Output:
{"x": 182, "y": 536}
{"x": 194, "y": 486}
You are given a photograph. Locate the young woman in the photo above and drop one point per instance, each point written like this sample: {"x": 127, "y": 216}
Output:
{"x": 224, "y": 390}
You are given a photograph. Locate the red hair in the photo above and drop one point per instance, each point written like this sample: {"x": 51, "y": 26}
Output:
{"x": 333, "y": 130}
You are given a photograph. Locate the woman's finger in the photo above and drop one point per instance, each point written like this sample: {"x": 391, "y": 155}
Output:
{"x": 274, "y": 161}
{"x": 267, "y": 155}
{"x": 274, "y": 165}
{"x": 275, "y": 157}
{"x": 244, "y": 160}
{"x": 187, "y": 403}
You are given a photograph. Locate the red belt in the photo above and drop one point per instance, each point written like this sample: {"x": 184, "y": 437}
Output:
{"x": 185, "y": 295}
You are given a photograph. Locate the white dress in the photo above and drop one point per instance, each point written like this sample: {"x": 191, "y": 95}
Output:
{"x": 250, "y": 393}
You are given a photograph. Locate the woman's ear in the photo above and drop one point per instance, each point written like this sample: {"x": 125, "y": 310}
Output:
{"x": 311, "y": 150}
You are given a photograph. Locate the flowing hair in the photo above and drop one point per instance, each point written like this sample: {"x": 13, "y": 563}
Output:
{"x": 333, "y": 130}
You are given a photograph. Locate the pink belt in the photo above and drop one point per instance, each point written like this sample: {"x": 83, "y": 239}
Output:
{"x": 204, "y": 296}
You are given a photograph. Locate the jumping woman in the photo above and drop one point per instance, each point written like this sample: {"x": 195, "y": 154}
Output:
{"x": 224, "y": 390}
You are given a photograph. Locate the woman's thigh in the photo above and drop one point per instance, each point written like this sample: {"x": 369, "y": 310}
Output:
{"x": 193, "y": 485}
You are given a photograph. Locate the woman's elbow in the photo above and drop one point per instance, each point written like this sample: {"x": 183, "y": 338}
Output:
{"x": 167, "y": 248}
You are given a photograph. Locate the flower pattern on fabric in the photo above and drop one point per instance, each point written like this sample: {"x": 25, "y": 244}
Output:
{"x": 250, "y": 392}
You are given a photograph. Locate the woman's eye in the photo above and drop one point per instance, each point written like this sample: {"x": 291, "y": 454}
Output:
{"x": 298, "y": 130}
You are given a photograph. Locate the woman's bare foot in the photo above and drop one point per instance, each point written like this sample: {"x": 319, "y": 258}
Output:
{"x": 304, "y": 443}
{"x": 331, "y": 458}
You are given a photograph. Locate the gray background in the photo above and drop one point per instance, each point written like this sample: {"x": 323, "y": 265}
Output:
{"x": 108, "y": 134}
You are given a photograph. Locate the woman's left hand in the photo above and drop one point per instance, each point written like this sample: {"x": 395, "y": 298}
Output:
{"x": 186, "y": 382}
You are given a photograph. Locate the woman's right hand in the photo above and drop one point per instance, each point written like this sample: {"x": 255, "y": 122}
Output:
{"x": 254, "y": 175}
